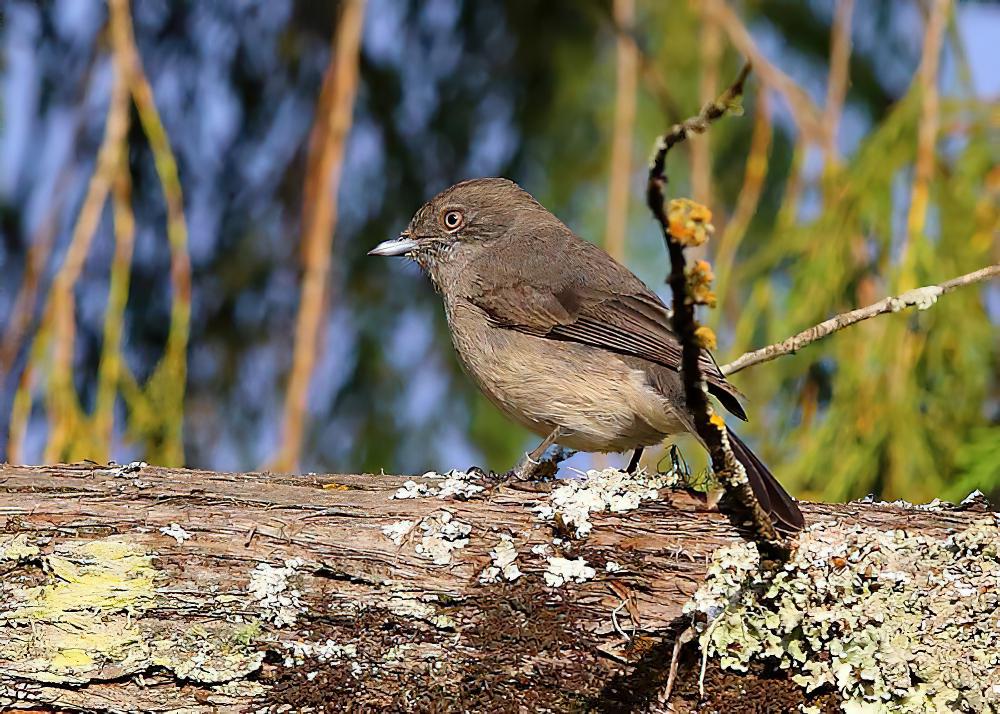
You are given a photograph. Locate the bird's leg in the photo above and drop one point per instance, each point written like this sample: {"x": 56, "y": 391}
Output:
{"x": 633, "y": 463}
{"x": 531, "y": 466}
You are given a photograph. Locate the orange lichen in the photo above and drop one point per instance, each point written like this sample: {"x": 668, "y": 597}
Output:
{"x": 689, "y": 222}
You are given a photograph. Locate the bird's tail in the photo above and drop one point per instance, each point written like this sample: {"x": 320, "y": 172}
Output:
{"x": 773, "y": 498}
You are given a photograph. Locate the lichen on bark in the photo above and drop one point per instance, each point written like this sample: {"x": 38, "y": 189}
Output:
{"x": 894, "y": 621}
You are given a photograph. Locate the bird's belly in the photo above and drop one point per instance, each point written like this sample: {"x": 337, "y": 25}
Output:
{"x": 600, "y": 402}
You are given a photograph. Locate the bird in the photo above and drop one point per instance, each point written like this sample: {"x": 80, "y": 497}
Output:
{"x": 558, "y": 335}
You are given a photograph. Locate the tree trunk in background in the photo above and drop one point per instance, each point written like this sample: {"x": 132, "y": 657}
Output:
{"x": 146, "y": 589}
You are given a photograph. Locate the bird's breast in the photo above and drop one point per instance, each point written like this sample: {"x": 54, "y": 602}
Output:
{"x": 599, "y": 400}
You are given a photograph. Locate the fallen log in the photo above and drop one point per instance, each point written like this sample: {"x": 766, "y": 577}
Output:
{"x": 136, "y": 588}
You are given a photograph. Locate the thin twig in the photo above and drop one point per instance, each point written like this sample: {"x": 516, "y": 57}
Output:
{"x": 23, "y": 311}
{"x": 55, "y": 336}
{"x": 109, "y": 369}
{"x": 319, "y": 216}
{"x": 927, "y": 131}
{"x": 836, "y": 83}
{"x": 805, "y": 113}
{"x": 165, "y": 387}
{"x": 654, "y": 80}
{"x": 748, "y": 199}
{"x": 920, "y": 298}
{"x": 25, "y": 304}
{"x": 627, "y": 58}
{"x": 682, "y": 639}
{"x": 709, "y": 426}
{"x": 709, "y": 58}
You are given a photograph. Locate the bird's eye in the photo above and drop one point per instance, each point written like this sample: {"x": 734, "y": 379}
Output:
{"x": 452, "y": 220}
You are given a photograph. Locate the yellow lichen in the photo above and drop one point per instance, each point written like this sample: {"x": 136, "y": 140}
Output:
{"x": 699, "y": 277}
{"x": 87, "y": 621}
{"x": 705, "y": 338}
{"x": 102, "y": 575}
{"x": 81, "y": 618}
{"x": 689, "y": 222}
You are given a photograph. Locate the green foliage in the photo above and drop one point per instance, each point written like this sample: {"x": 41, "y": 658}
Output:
{"x": 903, "y": 405}
{"x": 885, "y": 406}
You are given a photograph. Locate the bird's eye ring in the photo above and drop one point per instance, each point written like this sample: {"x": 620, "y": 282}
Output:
{"x": 452, "y": 220}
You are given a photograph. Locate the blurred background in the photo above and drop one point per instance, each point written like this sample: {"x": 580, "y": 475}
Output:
{"x": 188, "y": 190}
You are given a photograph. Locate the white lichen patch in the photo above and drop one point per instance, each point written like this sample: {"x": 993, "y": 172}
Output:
{"x": 442, "y": 534}
{"x": 176, "y": 532}
{"x": 893, "y": 621}
{"x": 397, "y": 531}
{"x": 502, "y": 564}
{"x": 563, "y": 570}
{"x": 327, "y": 651}
{"x": 458, "y": 485}
{"x": 412, "y": 489}
{"x": 410, "y": 606}
{"x": 612, "y": 567}
{"x": 280, "y": 602}
{"x": 608, "y": 490}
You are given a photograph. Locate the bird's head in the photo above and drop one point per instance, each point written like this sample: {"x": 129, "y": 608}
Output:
{"x": 459, "y": 223}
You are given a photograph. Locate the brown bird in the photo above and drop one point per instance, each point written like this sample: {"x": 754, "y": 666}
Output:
{"x": 559, "y": 336}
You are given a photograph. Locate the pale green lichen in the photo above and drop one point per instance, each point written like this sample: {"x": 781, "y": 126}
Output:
{"x": 210, "y": 654}
{"x": 92, "y": 619}
{"x": 895, "y": 622}
{"x": 17, "y": 548}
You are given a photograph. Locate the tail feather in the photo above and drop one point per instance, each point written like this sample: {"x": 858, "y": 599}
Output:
{"x": 773, "y": 498}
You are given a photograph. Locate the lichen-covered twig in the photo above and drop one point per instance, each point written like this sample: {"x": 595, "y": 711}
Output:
{"x": 921, "y": 298}
{"x": 687, "y": 224}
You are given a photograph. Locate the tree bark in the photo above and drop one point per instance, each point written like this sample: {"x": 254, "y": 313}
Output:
{"x": 149, "y": 589}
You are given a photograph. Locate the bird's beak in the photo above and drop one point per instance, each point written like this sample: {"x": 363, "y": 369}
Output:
{"x": 396, "y": 246}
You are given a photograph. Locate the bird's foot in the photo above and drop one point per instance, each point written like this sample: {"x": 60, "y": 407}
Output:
{"x": 531, "y": 469}
{"x": 479, "y": 474}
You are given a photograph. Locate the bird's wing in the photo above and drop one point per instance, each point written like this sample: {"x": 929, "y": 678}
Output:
{"x": 631, "y": 322}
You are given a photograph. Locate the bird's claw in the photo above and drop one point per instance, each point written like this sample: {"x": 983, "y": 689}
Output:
{"x": 478, "y": 473}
